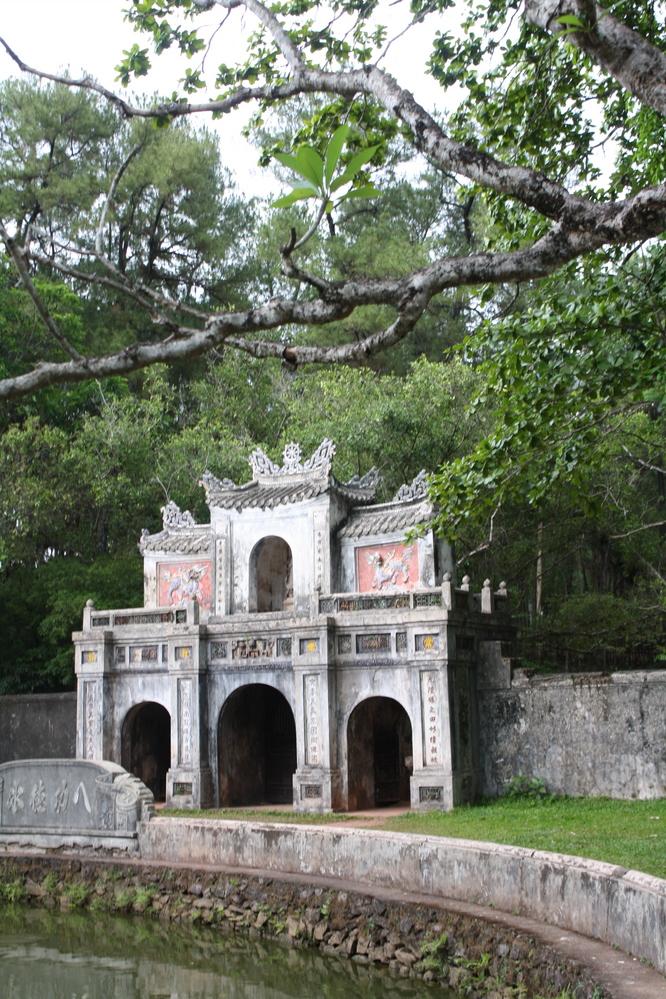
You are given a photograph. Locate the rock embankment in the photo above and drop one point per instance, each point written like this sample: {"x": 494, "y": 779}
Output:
{"x": 470, "y": 956}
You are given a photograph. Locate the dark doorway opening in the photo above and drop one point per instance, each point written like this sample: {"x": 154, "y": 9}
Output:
{"x": 256, "y": 740}
{"x": 379, "y": 748}
{"x": 271, "y": 576}
{"x": 146, "y": 745}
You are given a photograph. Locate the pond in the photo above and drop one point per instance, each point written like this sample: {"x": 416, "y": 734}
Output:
{"x": 46, "y": 955}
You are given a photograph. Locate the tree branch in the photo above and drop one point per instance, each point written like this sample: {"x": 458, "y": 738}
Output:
{"x": 634, "y": 62}
{"x": 18, "y": 256}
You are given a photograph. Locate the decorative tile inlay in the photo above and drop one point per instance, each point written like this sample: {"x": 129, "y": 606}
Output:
{"x": 401, "y": 641}
{"x": 120, "y": 654}
{"x": 183, "y": 652}
{"x": 344, "y": 645}
{"x": 143, "y": 654}
{"x": 373, "y": 643}
{"x": 431, "y": 794}
{"x": 283, "y": 647}
{"x": 253, "y": 648}
{"x": 310, "y": 791}
{"x": 428, "y": 599}
{"x": 218, "y": 650}
{"x": 311, "y": 698}
{"x": 101, "y": 622}
{"x": 88, "y": 655}
{"x": 181, "y": 788}
{"x": 308, "y": 646}
{"x": 431, "y": 719}
{"x": 426, "y": 643}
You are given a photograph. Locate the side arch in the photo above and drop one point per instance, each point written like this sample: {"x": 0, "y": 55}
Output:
{"x": 256, "y": 747}
{"x": 145, "y": 743}
{"x": 379, "y": 753}
{"x": 271, "y": 575}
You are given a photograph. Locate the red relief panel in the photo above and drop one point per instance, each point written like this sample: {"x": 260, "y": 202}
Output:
{"x": 181, "y": 581}
{"x": 380, "y": 568}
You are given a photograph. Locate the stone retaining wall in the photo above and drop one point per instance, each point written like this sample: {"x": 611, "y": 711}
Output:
{"x": 475, "y": 957}
{"x": 591, "y": 734}
{"x": 626, "y": 909}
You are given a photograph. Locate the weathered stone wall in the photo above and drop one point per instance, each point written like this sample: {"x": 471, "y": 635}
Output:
{"x": 583, "y": 734}
{"x": 37, "y": 727}
{"x": 473, "y": 956}
{"x": 626, "y": 909}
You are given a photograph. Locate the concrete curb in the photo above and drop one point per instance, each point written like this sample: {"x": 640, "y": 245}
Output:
{"x": 626, "y": 909}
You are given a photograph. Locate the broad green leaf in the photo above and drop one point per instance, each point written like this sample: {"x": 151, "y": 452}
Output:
{"x": 354, "y": 166}
{"x": 298, "y": 194}
{"x": 571, "y": 21}
{"x": 367, "y": 191}
{"x": 334, "y": 149}
{"x": 286, "y": 159}
{"x": 311, "y": 165}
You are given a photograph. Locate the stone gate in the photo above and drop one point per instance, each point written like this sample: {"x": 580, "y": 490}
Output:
{"x": 308, "y": 645}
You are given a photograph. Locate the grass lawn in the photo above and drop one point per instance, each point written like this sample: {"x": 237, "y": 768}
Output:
{"x": 631, "y": 834}
{"x": 257, "y": 815}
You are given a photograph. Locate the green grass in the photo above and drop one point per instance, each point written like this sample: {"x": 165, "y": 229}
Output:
{"x": 631, "y": 834}
{"x": 256, "y": 815}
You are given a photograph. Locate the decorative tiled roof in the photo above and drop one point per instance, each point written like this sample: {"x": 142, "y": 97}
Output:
{"x": 409, "y": 508}
{"x": 180, "y": 541}
{"x": 384, "y": 518}
{"x": 292, "y": 482}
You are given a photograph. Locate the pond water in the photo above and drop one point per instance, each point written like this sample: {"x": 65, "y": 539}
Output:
{"x": 45, "y": 955}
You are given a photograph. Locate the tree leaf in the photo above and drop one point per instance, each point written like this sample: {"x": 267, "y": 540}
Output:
{"x": 334, "y": 149}
{"x": 571, "y": 21}
{"x": 355, "y": 164}
{"x": 367, "y": 191}
{"x": 290, "y": 161}
{"x": 298, "y": 194}
{"x": 310, "y": 165}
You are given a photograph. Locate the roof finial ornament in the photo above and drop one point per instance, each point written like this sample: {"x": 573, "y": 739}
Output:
{"x": 416, "y": 489}
{"x": 319, "y": 463}
{"x": 173, "y": 517}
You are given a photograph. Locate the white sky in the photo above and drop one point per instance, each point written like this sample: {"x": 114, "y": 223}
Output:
{"x": 90, "y": 35}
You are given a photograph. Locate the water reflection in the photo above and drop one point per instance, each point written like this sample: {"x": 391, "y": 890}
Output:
{"x": 46, "y": 955}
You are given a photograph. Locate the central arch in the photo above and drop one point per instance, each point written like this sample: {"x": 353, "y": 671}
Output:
{"x": 379, "y": 753}
{"x": 256, "y": 745}
{"x": 146, "y": 745}
{"x": 271, "y": 576}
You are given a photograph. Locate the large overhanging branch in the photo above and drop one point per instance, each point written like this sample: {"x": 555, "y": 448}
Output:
{"x": 580, "y": 225}
{"x": 338, "y": 300}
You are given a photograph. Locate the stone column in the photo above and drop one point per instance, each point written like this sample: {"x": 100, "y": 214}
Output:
{"x": 316, "y": 780}
{"x": 188, "y": 782}
{"x": 431, "y": 785}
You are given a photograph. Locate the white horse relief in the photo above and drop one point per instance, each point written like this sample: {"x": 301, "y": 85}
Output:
{"x": 390, "y": 569}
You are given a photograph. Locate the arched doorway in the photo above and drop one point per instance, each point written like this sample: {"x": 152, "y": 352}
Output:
{"x": 146, "y": 745}
{"x": 379, "y": 753}
{"x": 256, "y": 745}
{"x": 271, "y": 576}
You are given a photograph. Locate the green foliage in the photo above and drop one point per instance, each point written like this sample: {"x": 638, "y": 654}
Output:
{"x": 76, "y": 894}
{"x": 526, "y": 788}
{"x": 320, "y": 174}
{"x": 12, "y": 892}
